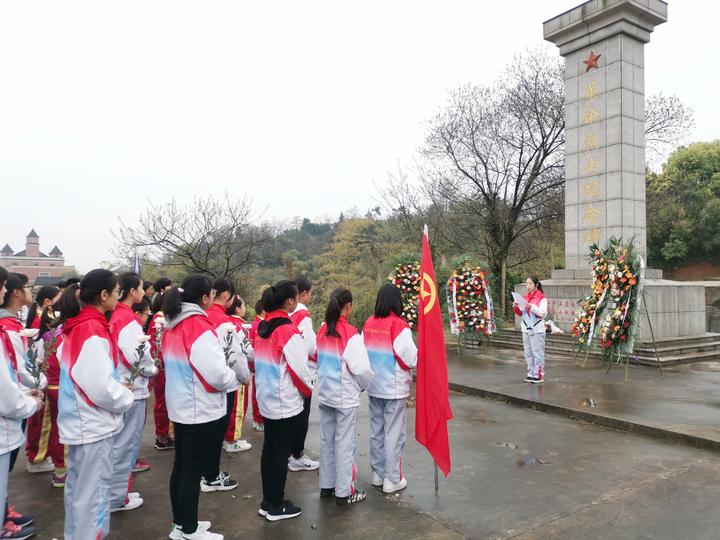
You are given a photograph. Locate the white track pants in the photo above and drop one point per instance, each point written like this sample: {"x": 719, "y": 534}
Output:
{"x": 387, "y": 437}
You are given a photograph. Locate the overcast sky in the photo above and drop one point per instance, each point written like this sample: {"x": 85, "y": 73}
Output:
{"x": 302, "y": 105}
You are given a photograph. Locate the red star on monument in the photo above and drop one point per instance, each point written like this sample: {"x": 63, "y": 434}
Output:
{"x": 592, "y": 61}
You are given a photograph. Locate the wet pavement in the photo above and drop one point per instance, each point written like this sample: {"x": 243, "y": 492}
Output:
{"x": 682, "y": 404}
{"x": 517, "y": 474}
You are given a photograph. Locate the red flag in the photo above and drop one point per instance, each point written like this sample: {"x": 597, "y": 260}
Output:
{"x": 432, "y": 402}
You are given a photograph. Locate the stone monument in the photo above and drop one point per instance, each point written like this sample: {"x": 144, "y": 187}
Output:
{"x": 603, "y": 43}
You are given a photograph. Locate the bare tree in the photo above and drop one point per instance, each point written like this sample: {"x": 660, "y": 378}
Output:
{"x": 668, "y": 122}
{"x": 491, "y": 173}
{"x": 218, "y": 237}
{"x": 492, "y": 160}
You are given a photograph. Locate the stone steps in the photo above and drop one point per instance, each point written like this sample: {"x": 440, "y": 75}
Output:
{"x": 671, "y": 351}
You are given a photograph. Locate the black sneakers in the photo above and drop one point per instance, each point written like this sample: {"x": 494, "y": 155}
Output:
{"x": 286, "y": 511}
{"x": 356, "y": 497}
{"x": 165, "y": 445}
{"x": 326, "y": 492}
{"x": 221, "y": 483}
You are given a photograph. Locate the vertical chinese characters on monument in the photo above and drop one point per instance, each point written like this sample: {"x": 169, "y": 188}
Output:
{"x": 591, "y": 216}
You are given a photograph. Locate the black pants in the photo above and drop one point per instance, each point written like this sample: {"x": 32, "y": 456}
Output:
{"x": 211, "y": 469}
{"x": 191, "y": 455}
{"x": 279, "y": 439}
{"x": 298, "y": 446}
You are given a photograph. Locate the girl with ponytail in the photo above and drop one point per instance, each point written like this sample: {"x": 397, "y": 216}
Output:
{"x": 197, "y": 379}
{"x": 16, "y": 404}
{"x": 343, "y": 372}
{"x": 283, "y": 381}
{"x": 134, "y": 363}
{"x": 92, "y": 401}
{"x": 228, "y": 437}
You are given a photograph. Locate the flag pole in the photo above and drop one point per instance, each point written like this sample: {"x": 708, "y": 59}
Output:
{"x": 436, "y": 476}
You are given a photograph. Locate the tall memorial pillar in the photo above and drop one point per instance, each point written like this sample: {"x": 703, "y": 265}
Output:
{"x": 602, "y": 42}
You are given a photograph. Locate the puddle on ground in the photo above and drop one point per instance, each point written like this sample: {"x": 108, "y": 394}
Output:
{"x": 530, "y": 461}
{"x": 510, "y": 445}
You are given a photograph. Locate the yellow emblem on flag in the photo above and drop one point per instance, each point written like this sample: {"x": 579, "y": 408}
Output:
{"x": 427, "y": 288}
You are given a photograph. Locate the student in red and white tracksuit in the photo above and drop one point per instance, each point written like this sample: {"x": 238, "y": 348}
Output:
{"x": 393, "y": 355}
{"x": 231, "y": 343}
{"x": 197, "y": 380}
{"x": 303, "y": 322}
{"x": 163, "y": 428}
{"x": 532, "y": 324}
{"x": 48, "y": 344}
{"x": 252, "y": 334}
{"x": 91, "y": 403}
{"x": 133, "y": 357}
{"x": 343, "y": 372}
{"x": 233, "y": 435}
{"x": 283, "y": 382}
{"x": 16, "y": 404}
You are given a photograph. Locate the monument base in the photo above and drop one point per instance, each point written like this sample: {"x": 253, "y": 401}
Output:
{"x": 676, "y": 309}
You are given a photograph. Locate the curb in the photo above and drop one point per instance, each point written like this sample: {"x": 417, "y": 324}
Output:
{"x": 591, "y": 418}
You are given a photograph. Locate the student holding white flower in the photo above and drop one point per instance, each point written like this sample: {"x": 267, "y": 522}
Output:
{"x": 231, "y": 343}
{"x": 16, "y": 404}
{"x": 135, "y": 365}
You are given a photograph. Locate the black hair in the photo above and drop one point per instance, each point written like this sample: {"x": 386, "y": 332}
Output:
{"x": 259, "y": 307}
{"x": 147, "y": 284}
{"x": 92, "y": 285}
{"x": 388, "y": 300}
{"x": 536, "y": 281}
{"x": 339, "y": 298}
{"x": 303, "y": 284}
{"x": 142, "y": 306}
{"x": 274, "y": 297}
{"x": 221, "y": 285}
{"x": 71, "y": 281}
{"x": 61, "y": 284}
{"x": 161, "y": 283}
{"x": 236, "y": 303}
{"x": 128, "y": 281}
{"x": 156, "y": 304}
{"x": 13, "y": 282}
{"x": 45, "y": 293}
{"x": 194, "y": 287}
{"x": 3, "y": 276}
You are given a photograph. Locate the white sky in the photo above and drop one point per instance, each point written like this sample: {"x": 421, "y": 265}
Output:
{"x": 302, "y": 105}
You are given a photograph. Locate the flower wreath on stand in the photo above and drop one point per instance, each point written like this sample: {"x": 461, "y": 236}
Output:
{"x": 470, "y": 305}
{"x": 586, "y": 318}
{"x": 620, "y": 318}
{"x": 406, "y": 277}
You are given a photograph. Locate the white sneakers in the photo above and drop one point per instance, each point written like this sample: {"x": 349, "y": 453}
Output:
{"x": 237, "y": 446}
{"x": 132, "y": 504}
{"x": 377, "y": 480}
{"x": 176, "y": 532}
{"x": 199, "y": 534}
{"x": 258, "y": 427}
{"x": 42, "y": 467}
{"x": 303, "y": 464}
{"x": 392, "y": 487}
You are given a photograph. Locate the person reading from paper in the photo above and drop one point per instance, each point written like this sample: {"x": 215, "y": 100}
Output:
{"x": 532, "y": 310}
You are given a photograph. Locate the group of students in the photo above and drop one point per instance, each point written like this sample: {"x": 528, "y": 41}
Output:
{"x": 103, "y": 344}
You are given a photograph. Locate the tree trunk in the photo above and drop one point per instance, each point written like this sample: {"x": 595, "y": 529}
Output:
{"x": 503, "y": 286}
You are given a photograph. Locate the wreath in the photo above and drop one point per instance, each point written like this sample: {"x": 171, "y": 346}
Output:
{"x": 620, "y": 316}
{"x": 406, "y": 277}
{"x": 612, "y": 305}
{"x": 583, "y": 328}
{"x": 470, "y": 305}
